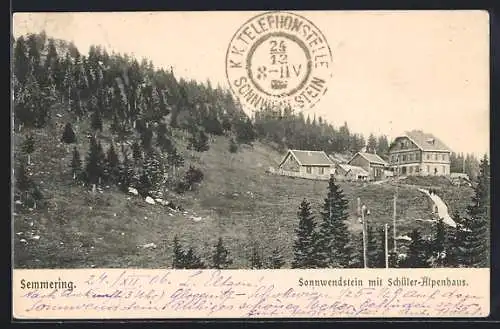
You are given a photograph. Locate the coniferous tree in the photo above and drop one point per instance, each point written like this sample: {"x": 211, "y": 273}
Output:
{"x": 76, "y": 164}
{"x": 126, "y": 172}
{"x": 146, "y": 138}
{"x": 233, "y": 147}
{"x": 256, "y": 257}
{"x": 178, "y": 254}
{"x": 68, "y": 136}
{"x": 23, "y": 181}
{"x": 383, "y": 147}
{"x": 212, "y": 124}
{"x": 112, "y": 164}
{"x": 333, "y": 239}
{"x": 357, "y": 255}
{"x": 276, "y": 260}
{"x": 29, "y": 146}
{"x": 221, "y": 258}
{"x": 379, "y": 255}
{"x": 136, "y": 152}
{"x": 94, "y": 164}
{"x": 193, "y": 176}
{"x": 375, "y": 253}
{"x": 439, "y": 244}
{"x": 144, "y": 183}
{"x": 245, "y": 133}
{"x": 96, "y": 120}
{"x": 417, "y": 251}
{"x": 199, "y": 141}
{"x": 371, "y": 145}
{"x": 153, "y": 169}
{"x": 21, "y": 61}
{"x": 162, "y": 139}
{"x": 175, "y": 160}
{"x": 193, "y": 261}
{"x": 475, "y": 237}
{"x": 455, "y": 239}
{"x": 305, "y": 248}
{"x": 226, "y": 124}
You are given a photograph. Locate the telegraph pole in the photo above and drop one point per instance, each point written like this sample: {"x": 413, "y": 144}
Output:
{"x": 365, "y": 260}
{"x": 386, "y": 249}
{"x": 361, "y": 216}
{"x": 394, "y": 220}
{"x": 394, "y": 212}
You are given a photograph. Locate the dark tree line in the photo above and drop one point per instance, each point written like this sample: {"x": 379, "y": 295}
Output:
{"x": 118, "y": 89}
{"x": 464, "y": 163}
{"x": 293, "y": 130}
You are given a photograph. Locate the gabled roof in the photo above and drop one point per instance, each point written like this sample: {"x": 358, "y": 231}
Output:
{"x": 309, "y": 158}
{"x": 425, "y": 141}
{"x": 355, "y": 169}
{"x": 370, "y": 157}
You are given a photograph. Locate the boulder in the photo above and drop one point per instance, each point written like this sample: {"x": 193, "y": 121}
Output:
{"x": 161, "y": 201}
{"x": 133, "y": 191}
{"x": 150, "y": 200}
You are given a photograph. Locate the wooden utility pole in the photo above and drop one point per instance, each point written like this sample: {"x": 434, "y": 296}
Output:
{"x": 386, "y": 249}
{"x": 361, "y": 217}
{"x": 365, "y": 260}
{"x": 394, "y": 221}
{"x": 394, "y": 212}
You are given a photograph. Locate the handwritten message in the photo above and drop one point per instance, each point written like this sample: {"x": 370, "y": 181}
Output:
{"x": 128, "y": 293}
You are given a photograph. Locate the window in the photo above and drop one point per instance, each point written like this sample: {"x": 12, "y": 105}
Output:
{"x": 444, "y": 157}
{"x": 410, "y": 170}
{"x": 428, "y": 157}
{"x": 321, "y": 171}
{"x": 404, "y": 157}
{"x": 436, "y": 156}
{"x": 308, "y": 170}
{"x": 428, "y": 169}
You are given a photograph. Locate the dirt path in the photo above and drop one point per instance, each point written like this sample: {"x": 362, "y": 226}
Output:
{"x": 442, "y": 208}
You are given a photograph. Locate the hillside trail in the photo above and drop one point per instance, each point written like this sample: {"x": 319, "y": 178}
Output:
{"x": 442, "y": 208}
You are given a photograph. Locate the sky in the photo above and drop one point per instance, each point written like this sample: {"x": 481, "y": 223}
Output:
{"x": 392, "y": 71}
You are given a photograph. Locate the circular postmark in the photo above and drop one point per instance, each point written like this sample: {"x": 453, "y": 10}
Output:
{"x": 278, "y": 59}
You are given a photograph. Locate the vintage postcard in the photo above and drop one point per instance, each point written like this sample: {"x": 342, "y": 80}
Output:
{"x": 273, "y": 164}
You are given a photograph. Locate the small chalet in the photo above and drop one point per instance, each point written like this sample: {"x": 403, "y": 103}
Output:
{"x": 351, "y": 173}
{"x": 371, "y": 163}
{"x": 307, "y": 163}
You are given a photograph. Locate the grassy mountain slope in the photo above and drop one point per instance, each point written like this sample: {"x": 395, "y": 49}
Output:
{"x": 237, "y": 200}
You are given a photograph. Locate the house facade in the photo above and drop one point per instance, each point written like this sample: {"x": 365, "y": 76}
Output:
{"x": 419, "y": 154}
{"x": 371, "y": 163}
{"x": 350, "y": 173}
{"x": 307, "y": 163}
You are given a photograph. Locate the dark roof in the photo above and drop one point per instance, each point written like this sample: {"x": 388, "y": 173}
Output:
{"x": 310, "y": 158}
{"x": 354, "y": 169}
{"x": 426, "y": 142}
{"x": 371, "y": 157}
